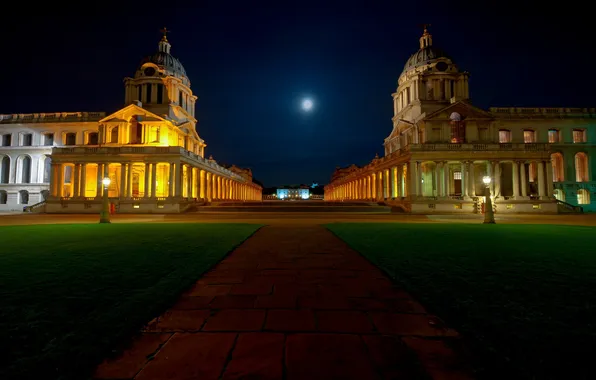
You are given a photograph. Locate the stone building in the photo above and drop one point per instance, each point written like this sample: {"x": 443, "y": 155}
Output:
{"x": 149, "y": 149}
{"x": 441, "y": 147}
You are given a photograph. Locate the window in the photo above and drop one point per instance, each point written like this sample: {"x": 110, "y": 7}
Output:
{"x": 92, "y": 140}
{"x": 47, "y": 169}
{"x": 114, "y": 135}
{"x": 140, "y": 93}
{"x": 581, "y": 167}
{"x": 48, "y": 139}
{"x": 483, "y": 134}
{"x": 6, "y": 140}
{"x": 559, "y": 195}
{"x": 504, "y": 136}
{"x": 5, "y": 169}
{"x": 70, "y": 139}
{"x": 456, "y": 175}
{"x": 458, "y": 128}
{"x": 579, "y": 136}
{"x": 558, "y": 167}
{"x": 181, "y": 99}
{"x": 148, "y": 93}
{"x": 529, "y": 136}
{"x": 583, "y": 197}
{"x": 23, "y": 197}
{"x": 26, "y": 170}
{"x": 553, "y": 136}
{"x": 160, "y": 93}
{"x": 3, "y": 197}
{"x": 27, "y": 139}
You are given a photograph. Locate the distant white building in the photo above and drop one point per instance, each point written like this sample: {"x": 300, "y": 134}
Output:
{"x": 302, "y": 192}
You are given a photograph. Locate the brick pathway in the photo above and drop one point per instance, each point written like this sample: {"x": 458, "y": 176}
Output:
{"x": 292, "y": 302}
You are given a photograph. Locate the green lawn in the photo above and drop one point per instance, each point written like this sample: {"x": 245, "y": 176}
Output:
{"x": 524, "y": 296}
{"x": 71, "y": 293}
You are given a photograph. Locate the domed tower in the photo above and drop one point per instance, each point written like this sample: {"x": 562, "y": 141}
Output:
{"x": 161, "y": 86}
{"x": 429, "y": 81}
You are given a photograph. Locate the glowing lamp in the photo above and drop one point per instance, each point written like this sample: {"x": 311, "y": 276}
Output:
{"x": 106, "y": 181}
{"x": 486, "y": 179}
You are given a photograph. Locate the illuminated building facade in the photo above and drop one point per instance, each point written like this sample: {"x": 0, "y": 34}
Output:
{"x": 296, "y": 193}
{"x": 149, "y": 149}
{"x": 540, "y": 160}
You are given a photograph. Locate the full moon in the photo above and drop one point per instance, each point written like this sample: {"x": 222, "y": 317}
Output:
{"x": 307, "y": 104}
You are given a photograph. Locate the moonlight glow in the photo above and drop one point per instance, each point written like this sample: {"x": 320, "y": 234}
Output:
{"x": 307, "y": 104}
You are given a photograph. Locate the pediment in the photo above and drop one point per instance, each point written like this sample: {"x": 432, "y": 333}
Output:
{"x": 465, "y": 110}
{"x": 126, "y": 113}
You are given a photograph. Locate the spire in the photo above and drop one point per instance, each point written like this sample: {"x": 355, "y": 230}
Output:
{"x": 164, "y": 45}
{"x": 427, "y": 38}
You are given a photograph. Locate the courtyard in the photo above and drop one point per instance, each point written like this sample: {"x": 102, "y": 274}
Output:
{"x": 296, "y": 295}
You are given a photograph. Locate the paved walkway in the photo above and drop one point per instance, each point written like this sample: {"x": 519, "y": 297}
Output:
{"x": 292, "y": 302}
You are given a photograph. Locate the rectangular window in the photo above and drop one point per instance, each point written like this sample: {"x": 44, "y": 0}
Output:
{"x": 6, "y": 140}
{"x": 148, "y": 93}
{"x": 92, "y": 138}
{"x": 579, "y": 136}
{"x": 159, "y": 93}
{"x": 27, "y": 139}
{"x": 553, "y": 136}
{"x": 140, "y": 93}
{"x": 456, "y": 175}
{"x": 529, "y": 137}
{"x": 483, "y": 134}
{"x": 48, "y": 139}
{"x": 504, "y": 136}
{"x": 181, "y": 99}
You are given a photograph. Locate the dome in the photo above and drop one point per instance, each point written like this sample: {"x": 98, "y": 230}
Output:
{"x": 165, "y": 61}
{"x": 424, "y": 56}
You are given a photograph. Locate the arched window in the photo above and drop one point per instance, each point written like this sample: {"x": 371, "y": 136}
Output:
{"x": 92, "y": 140}
{"x": 581, "y": 167}
{"x": 47, "y": 169}
{"x": 3, "y": 197}
{"x": 559, "y": 195}
{"x": 558, "y": 167}
{"x": 114, "y": 135}
{"x": 70, "y": 139}
{"x": 458, "y": 128}
{"x": 583, "y": 197}
{"x": 26, "y": 170}
{"x": 23, "y": 197}
{"x": 5, "y": 170}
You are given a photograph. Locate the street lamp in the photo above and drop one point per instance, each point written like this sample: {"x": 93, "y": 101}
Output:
{"x": 489, "y": 216}
{"x": 104, "y": 215}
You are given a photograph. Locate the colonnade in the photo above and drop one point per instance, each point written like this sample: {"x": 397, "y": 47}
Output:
{"x": 445, "y": 179}
{"x": 147, "y": 180}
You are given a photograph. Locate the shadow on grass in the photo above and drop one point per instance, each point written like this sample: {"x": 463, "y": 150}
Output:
{"x": 71, "y": 293}
{"x": 522, "y": 295}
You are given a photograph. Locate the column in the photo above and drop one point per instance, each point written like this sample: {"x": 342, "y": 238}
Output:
{"x": 524, "y": 180}
{"x": 171, "y": 180}
{"x": 129, "y": 180}
{"x": 439, "y": 178}
{"x": 54, "y": 180}
{"x": 178, "y": 180}
{"x": 189, "y": 181}
{"x": 549, "y": 179}
{"x": 123, "y": 180}
{"x": 541, "y": 184}
{"x": 153, "y": 179}
{"x": 411, "y": 179}
{"x": 490, "y": 172}
{"x": 77, "y": 180}
{"x": 83, "y": 184}
{"x": 202, "y": 187}
{"x": 147, "y": 174}
{"x": 515, "y": 179}
{"x": 99, "y": 178}
{"x": 208, "y": 186}
{"x": 472, "y": 180}
{"x": 418, "y": 178}
{"x": 464, "y": 179}
{"x": 497, "y": 169}
{"x": 399, "y": 179}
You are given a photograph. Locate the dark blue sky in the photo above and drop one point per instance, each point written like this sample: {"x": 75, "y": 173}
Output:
{"x": 251, "y": 65}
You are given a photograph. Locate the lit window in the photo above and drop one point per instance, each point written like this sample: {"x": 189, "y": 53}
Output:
{"x": 553, "y": 136}
{"x": 504, "y": 136}
{"x": 529, "y": 137}
{"x": 583, "y": 197}
{"x": 579, "y": 135}
{"x": 581, "y": 167}
{"x": 456, "y": 175}
{"x": 48, "y": 139}
{"x": 558, "y": 167}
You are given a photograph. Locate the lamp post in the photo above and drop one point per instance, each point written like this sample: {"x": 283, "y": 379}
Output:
{"x": 104, "y": 216}
{"x": 489, "y": 216}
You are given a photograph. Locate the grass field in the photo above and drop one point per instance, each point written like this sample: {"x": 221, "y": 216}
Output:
{"x": 523, "y": 296}
{"x": 71, "y": 293}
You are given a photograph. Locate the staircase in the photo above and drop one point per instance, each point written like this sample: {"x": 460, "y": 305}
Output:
{"x": 38, "y": 207}
{"x": 568, "y": 208}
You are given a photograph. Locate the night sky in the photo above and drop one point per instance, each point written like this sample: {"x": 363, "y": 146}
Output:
{"x": 251, "y": 65}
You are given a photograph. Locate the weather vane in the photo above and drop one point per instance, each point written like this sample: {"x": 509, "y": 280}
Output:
{"x": 165, "y": 32}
